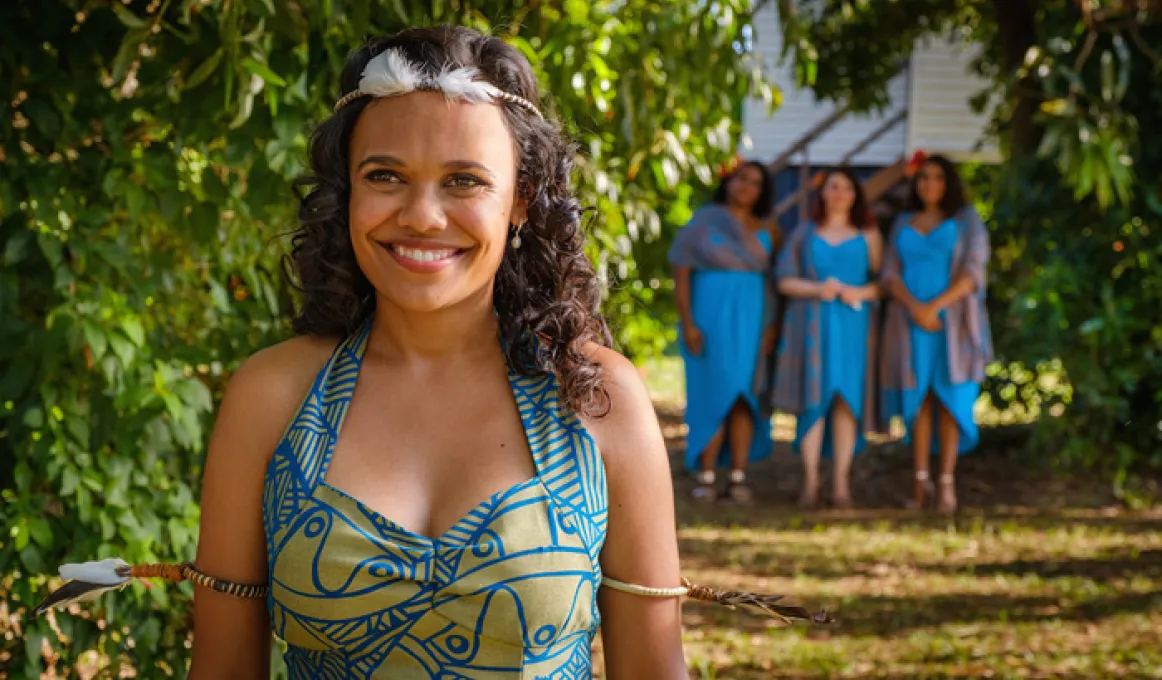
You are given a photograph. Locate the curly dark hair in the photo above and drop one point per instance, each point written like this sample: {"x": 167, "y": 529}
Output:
{"x": 765, "y": 204}
{"x": 859, "y": 217}
{"x": 955, "y": 197}
{"x": 547, "y": 295}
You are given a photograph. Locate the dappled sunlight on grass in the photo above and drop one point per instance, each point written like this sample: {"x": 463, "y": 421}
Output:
{"x": 1040, "y": 595}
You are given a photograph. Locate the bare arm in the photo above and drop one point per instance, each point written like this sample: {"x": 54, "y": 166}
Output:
{"x": 642, "y": 635}
{"x": 959, "y": 289}
{"x": 800, "y": 288}
{"x": 232, "y": 638}
{"x": 895, "y": 288}
{"x": 974, "y": 273}
{"x": 682, "y": 295}
{"x": 891, "y": 284}
{"x": 875, "y": 249}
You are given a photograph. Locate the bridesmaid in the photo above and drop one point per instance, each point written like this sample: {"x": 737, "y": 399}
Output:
{"x": 937, "y": 340}
{"x": 826, "y": 353}
{"x": 721, "y": 260}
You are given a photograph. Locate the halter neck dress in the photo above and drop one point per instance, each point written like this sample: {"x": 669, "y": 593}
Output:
{"x": 509, "y": 591}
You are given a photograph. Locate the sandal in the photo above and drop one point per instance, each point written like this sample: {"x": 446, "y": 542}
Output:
{"x": 704, "y": 491}
{"x": 737, "y": 491}
{"x": 923, "y": 490}
{"x": 946, "y": 505}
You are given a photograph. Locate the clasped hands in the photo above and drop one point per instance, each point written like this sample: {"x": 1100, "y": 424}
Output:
{"x": 852, "y": 296}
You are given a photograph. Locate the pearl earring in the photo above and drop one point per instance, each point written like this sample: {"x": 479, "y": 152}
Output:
{"x": 516, "y": 236}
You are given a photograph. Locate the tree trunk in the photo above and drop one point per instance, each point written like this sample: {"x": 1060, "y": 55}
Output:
{"x": 1017, "y": 32}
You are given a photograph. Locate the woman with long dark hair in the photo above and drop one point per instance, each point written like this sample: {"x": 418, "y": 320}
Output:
{"x": 937, "y": 340}
{"x": 470, "y": 456}
{"x": 827, "y": 351}
{"x": 721, "y": 259}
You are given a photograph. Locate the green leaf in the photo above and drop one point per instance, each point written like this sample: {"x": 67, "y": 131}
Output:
{"x": 78, "y": 427}
{"x": 127, "y": 52}
{"x": 133, "y": 329}
{"x": 263, "y": 71}
{"x": 20, "y": 536}
{"x": 41, "y": 531}
{"x": 69, "y": 481}
{"x": 123, "y": 348}
{"x": 50, "y": 245}
{"x": 1107, "y": 76}
{"x": 17, "y": 247}
{"x": 577, "y": 11}
{"x": 23, "y": 477}
{"x": 401, "y": 11}
{"x": 127, "y": 17}
{"x": 32, "y": 560}
{"x": 204, "y": 69}
{"x": 95, "y": 337}
{"x": 34, "y": 418}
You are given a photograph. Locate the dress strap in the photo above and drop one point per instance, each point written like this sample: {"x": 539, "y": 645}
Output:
{"x": 315, "y": 429}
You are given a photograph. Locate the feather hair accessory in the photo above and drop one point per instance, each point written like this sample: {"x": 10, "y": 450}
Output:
{"x": 390, "y": 74}
{"x": 89, "y": 580}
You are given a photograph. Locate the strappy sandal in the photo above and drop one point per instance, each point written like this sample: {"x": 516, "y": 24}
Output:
{"x": 704, "y": 491}
{"x": 736, "y": 490}
{"x": 923, "y": 491}
{"x": 945, "y": 506}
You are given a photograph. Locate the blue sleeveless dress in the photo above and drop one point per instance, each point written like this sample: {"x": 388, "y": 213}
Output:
{"x": 843, "y": 345}
{"x": 727, "y": 306}
{"x": 926, "y": 264}
{"x": 509, "y": 591}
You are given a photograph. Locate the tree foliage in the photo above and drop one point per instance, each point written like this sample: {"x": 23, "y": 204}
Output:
{"x": 144, "y": 194}
{"x": 1075, "y": 209}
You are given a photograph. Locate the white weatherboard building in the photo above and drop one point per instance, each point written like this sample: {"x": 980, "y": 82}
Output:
{"x": 929, "y": 111}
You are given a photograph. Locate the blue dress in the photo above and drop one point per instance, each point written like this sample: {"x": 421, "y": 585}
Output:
{"x": 926, "y": 264}
{"x": 727, "y": 306}
{"x": 509, "y": 591}
{"x": 844, "y": 331}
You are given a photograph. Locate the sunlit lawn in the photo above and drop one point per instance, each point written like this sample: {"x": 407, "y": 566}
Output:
{"x": 1038, "y": 577}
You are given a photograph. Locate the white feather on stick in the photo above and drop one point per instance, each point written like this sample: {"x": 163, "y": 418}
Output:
{"x": 110, "y": 572}
{"x": 86, "y": 581}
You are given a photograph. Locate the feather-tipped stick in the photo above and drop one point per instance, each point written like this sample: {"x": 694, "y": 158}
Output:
{"x": 767, "y": 604}
{"x": 85, "y": 582}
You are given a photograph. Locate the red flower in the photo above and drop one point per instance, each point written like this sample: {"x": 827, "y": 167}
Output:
{"x": 727, "y": 169}
{"x": 916, "y": 162}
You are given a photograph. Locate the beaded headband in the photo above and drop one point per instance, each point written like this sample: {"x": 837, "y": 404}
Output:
{"x": 390, "y": 74}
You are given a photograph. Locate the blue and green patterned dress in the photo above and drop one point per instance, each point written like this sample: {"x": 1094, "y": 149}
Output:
{"x": 510, "y": 591}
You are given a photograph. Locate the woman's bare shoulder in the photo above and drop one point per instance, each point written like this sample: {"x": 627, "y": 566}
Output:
{"x": 278, "y": 372}
{"x": 628, "y": 434}
{"x": 268, "y": 388}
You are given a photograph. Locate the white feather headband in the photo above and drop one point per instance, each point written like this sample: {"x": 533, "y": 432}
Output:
{"x": 390, "y": 74}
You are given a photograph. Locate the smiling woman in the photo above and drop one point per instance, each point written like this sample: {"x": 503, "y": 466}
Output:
{"x": 436, "y": 475}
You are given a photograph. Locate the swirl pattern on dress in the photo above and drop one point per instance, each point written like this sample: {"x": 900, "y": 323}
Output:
{"x": 509, "y": 591}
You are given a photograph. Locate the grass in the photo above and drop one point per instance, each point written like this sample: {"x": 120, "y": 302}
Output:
{"x": 1039, "y": 576}
{"x": 990, "y": 595}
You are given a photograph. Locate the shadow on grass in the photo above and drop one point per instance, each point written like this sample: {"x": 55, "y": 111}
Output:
{"x": 786, "y": 558}
{"x": 886, "y": 617}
